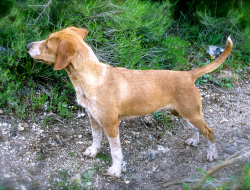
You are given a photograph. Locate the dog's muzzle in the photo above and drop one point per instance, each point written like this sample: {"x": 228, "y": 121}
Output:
{"x": 27, "y": 46}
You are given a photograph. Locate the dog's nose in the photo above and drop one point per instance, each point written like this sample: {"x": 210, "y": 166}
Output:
{"x": 27, "y": 46}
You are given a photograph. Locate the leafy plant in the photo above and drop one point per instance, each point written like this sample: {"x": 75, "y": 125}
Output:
{"x": 163, "y": 117}
{"x": 63, "y": 180}
{"x": 102, "y": 157}
{"x": 245, "y": 177}
{"x": 21, "y": 112}
{"x": 232, "y": 182}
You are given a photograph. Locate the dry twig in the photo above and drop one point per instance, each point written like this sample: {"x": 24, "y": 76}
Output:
{"x": 229, "y": 161}
{"x": 232, "y": 160}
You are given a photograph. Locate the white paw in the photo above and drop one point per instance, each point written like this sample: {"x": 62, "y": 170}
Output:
{"x": 192, "y": 142}
{"x": 91, "y": 152}
{"x": 114, "y": 171}
{"x": 212, "y": 153}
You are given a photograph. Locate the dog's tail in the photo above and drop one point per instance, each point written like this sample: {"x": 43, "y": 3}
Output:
{"x": 216, "y": 63}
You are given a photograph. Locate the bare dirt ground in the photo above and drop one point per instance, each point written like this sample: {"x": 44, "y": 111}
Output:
{"x": 34, "y": 156}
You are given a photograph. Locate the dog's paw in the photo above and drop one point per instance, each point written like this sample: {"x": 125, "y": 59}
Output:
{"x": 114, "y": 171}
{"x": 212, "y": 153}
{"x": 192, "y": 142}
{"x": 91, "y": 152}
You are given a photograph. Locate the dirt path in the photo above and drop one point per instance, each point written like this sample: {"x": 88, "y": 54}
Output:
{"x": 33, "y": 156}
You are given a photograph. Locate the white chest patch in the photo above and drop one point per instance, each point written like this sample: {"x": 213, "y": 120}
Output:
{"x": 34, "y": 50}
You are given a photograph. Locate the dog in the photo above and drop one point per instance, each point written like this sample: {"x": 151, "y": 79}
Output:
{"x": 111, "y": 93}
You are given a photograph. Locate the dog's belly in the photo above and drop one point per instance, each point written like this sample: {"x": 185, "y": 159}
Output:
{"x": 142, "y": 112}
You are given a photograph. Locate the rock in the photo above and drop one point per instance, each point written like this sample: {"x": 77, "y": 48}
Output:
{"x": 76, "y": 178}
{"x": 25, "y": 125}
{"x": 162, "y": 149}
{"x": 150, "y": 138}
{"x": 1, "y": 111}
{"x": 22, "y": 187}
{"x": 79, "y": 136}
{"x": 79, "y": 142}
{"x": 80, "y": 115}
{"x": 223, "y": 120}
{"x": 153, "y": 154}
{"x": 19, "y": 128}
{"x": 148, "y": 119}
{"x": 6, "y": 175}
{"x": 159, "y": 128}
{"x": 230, "y": 150}
{"x": 124, "y": 164}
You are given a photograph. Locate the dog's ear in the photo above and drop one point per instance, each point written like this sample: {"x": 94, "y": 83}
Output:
{"x": 83, "y": 32}
{"x": 65, "y": 54}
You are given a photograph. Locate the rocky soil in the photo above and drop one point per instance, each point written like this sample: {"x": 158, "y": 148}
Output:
{"x": 34, "y": 155}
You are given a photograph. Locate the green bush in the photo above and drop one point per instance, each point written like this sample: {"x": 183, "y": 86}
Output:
{"x": 245, "y": 177}
{"x": 123, "y": 33}
{"x": 134, "y": 34}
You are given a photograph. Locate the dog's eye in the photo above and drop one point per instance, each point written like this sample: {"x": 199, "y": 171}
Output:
{"x": 46, "y": 46}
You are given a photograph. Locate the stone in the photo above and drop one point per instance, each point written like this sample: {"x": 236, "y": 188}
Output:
{"x": 124, "y": 164}
{"x": 223, "y": 120}
{"x": 80, "y": 115}
{"x": 19, "y": 128}
{"x": 6, "y": 175}
{"x": 25, "y": 125}
{"x": 88, "y": 183}
{"x": 79, "y": 136}
{"x": 76, "y": 178}
{"x": 22, "y": 187}
{"x": 153, "y": 154}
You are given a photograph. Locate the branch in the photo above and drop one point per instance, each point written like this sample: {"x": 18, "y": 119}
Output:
{"x": 227, "y": 162}
{"x": 45, "y": 6}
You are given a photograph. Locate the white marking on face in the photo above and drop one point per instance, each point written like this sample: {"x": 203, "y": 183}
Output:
{"x": 34, "y": 52}
{"x": 35, "y": 48}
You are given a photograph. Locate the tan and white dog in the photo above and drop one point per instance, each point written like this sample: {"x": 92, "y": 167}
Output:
{"x": 109, "y": 94}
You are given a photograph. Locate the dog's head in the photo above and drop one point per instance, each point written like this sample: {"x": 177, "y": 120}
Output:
{"x": 59, "y": 48}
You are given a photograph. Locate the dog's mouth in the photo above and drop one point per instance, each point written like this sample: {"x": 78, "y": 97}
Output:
{"x": 40, "y": 60}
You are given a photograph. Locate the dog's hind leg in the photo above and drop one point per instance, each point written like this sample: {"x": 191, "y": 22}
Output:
{"x": 198, "y": 122}
{"x": 189, "y": 108}
{"x": 195, "y": 139}
{"x": 97, "y": 138}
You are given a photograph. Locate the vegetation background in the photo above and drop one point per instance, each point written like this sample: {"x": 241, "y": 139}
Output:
{"x": 136, "y": 34}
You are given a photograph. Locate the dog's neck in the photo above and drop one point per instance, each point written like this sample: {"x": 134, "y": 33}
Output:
{"x": 86, "y": 71}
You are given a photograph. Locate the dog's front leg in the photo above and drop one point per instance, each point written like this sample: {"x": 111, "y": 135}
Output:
{"x": 97, "y": 138}
{"x": 116, "y": 151}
